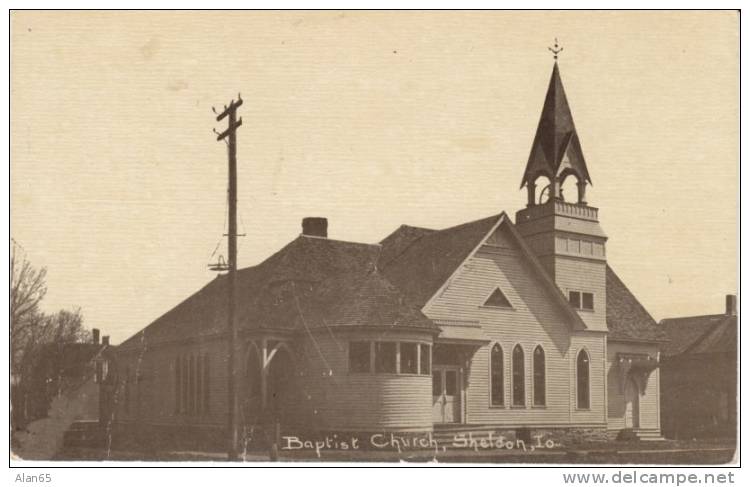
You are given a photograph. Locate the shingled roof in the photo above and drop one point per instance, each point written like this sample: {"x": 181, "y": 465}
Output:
{"x": 430, "y": 259}
{"x": 627, "y": 319}
{"x": 311, "y": 282}
{"x": 314, "y": 282}
{"x": 701, "y": 334}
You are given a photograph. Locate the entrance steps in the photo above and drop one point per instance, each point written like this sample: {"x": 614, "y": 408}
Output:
{"x": 649, "y": 435}
{"x": 640, "y": 434}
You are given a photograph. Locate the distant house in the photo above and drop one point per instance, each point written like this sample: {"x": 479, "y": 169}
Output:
{"x": 499, "y": 324}
{"x": 66, "y": 398}
{"x": 699, "y": 374}
{"x": 60, "y": 368}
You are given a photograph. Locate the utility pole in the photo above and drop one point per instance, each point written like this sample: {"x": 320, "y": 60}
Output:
{"x": 230, "y": 134}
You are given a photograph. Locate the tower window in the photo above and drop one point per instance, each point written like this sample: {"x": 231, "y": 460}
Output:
{"x": 497, "y": 300}
{"x": 581, "y": 300}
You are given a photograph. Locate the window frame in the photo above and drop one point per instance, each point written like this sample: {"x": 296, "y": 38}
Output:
{"x": 422, "y": 347}
{"x": 522, "y": 372}
{"x": 401, "y": 358}
{"x": 534, "y": 364}
{"x": 369, "y": 357}
{"x": 484, "y": 304}
{"x": 579, "y": 305}
{"x": 583, "y": 301}
{"x": 395, "y": 357}
{"x": 502, "y": 404}
{"x": 587, "y": 407}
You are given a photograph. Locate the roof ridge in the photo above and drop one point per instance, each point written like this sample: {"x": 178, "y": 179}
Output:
{"x": 434, "y": 232}
{"x": 339, "y": 241}
{"x": 712, "y": 327}
{"x": 663, "y": 320}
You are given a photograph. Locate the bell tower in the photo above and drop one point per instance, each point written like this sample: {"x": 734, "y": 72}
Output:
{"x": 563, "y": 230}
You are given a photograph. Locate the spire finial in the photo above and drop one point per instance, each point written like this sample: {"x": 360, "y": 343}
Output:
{"x": 556, "y": 50}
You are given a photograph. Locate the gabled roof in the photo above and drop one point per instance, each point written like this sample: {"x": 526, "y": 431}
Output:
{"x": 555, "y": 137}
{"x": 429, "y": 260}
{"x": 701, "y": 334}
{"x": 627, "y": 319}
{"x": 311, "y": 282}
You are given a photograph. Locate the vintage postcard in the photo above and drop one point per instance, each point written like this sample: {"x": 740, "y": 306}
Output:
{"x": 498, "y": 237}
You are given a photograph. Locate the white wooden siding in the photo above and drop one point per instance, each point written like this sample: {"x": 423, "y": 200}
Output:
{"x": 535, "y": 319}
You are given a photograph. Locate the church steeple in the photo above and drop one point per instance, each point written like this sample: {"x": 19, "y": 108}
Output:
{"x": 565, "y": 235}
{"x": 556, "y": 152}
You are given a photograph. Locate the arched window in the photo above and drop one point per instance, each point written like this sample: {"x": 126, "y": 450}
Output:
{"x": 582, "y": 374}
{"x": 540, "y": 392}
{"x": 497, "y": 376}
{"x": 519, "y": 388}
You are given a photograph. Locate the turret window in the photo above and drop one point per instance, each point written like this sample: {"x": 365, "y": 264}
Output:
{"x": 390, "y": 357}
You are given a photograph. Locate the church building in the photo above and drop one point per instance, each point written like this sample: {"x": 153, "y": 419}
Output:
{"x": 508, "y": 324}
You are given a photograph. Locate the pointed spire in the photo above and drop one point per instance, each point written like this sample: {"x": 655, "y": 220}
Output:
{"x": 556, "y": 148}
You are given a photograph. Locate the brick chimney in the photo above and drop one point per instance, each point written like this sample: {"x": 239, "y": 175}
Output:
{"x": 95, "y": 334}
{"x": 731, "y": 305}
{"x": 105, "y": 340}
{"x": 313, "y": 226}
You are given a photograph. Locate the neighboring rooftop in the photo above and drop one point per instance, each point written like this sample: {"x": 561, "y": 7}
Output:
{"x": 703, "y": 334}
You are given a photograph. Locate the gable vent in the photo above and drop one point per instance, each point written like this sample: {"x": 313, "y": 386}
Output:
{"x": 498, "y": 300}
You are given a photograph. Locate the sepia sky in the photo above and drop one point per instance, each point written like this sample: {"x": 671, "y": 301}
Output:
{"x": 371, "y": 119}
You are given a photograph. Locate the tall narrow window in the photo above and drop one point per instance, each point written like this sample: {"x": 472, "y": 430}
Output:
{"x": 425, "y": 367}
{"x": 191, "y": 386}
{"x": 127, "y": 389}
{"x": 177, "y": 385}
{"x": 497, "y": 376}
{"x": 198, "y": 383}
{"x": 519, "y": 377}
{"x": 540, "y": 392}
{"x": 582, "y": 374}
{"x": 206, "y": 385}
{"x": 184, "y": 368}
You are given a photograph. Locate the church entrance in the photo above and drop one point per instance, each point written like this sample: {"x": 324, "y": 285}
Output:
{"x": 446, "y": 394}
{"x": 632, "y": 406}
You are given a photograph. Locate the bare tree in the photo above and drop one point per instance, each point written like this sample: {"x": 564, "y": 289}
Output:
{"x": 34, "y": 334}
{"x": 27, "y": 289}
